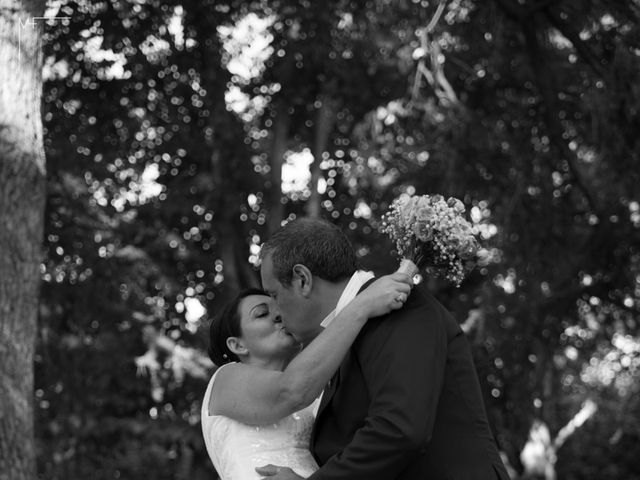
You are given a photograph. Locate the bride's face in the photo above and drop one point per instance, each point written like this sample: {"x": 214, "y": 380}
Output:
{"x": 263, "y": 334}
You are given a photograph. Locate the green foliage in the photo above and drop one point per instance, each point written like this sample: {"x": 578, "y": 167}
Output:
{"x": 161, "y": 186}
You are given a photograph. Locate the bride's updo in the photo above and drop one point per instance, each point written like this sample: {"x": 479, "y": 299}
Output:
{"x": 227, "y": 324}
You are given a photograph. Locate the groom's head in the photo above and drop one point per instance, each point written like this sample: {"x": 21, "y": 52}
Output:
{"x": 304, "y": 267}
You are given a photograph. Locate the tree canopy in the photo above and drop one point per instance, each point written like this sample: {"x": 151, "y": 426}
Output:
{"x": 179, "y": 135}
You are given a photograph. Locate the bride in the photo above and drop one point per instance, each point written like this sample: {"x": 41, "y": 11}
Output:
{"x": 258, "y": 408}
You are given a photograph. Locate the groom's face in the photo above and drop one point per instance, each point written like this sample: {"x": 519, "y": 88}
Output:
{"x": 290, "y": 302}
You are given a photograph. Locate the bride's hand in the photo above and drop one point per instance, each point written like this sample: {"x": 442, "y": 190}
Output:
{"x": 384, "y": 295}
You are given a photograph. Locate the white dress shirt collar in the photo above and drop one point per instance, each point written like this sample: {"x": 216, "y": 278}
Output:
{"x": 358, "y": 279}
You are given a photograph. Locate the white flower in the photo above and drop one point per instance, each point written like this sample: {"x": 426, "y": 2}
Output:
{"x": 432, "y": 233}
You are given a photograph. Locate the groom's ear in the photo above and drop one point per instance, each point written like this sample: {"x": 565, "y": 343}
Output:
{"x": 302, "y": 279}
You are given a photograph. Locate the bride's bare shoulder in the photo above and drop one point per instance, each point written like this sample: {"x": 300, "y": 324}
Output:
{"x": 223, "y": 377}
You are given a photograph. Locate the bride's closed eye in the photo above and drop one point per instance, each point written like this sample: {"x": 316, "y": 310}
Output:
{"x": 262, "y": 311}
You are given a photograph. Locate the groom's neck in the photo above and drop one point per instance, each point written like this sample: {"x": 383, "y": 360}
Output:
{"x": 329, "y": 294}
{"x": 332, "y": 292}
{"x": 326, "y": 296}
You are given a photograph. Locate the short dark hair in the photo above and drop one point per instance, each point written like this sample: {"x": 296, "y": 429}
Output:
{"x": 319, "y": 245}
{"x": 227, "y": 324}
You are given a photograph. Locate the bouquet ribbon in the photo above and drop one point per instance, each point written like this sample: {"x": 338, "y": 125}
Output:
{"x": 408, "y": 267}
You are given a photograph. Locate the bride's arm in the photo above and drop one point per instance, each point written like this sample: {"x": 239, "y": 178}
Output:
{"x": 257, "y": 396}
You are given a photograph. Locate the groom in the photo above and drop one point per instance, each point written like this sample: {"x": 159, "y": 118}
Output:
{"x": 405, "y": 403}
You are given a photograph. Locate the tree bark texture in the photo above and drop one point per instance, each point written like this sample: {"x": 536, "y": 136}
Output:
{"x": 226, "y": 158}
{"x": 325, "y": 120}
{"x": 22, "y": 199}
{"x": 278, "y": 150}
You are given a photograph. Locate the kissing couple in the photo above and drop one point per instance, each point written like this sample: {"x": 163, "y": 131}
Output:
{"x": 329, "y": 373}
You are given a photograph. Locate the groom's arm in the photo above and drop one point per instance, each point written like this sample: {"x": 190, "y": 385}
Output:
{"x": 402, "y": 360}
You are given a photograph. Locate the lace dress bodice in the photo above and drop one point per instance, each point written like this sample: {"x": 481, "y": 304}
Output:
{"x": 236, "y": 449}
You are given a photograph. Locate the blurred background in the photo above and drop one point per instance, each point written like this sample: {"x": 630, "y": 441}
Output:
{"x": 178, "y": 135}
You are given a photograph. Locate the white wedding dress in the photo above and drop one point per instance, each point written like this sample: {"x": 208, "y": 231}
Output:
{"x": 236, "y": 449}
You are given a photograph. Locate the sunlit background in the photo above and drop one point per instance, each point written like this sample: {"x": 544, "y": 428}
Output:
{"x": 179, "y": 136}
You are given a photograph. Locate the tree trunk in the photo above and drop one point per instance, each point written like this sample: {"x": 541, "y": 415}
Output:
{"x": 325, "y": 120}
{"x": 22, "y": 198}
{"x": 278, "y": 150}
{"x": 227, "y": 162}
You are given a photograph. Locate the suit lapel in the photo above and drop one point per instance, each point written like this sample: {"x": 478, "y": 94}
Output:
{"x": 328, "y": 393}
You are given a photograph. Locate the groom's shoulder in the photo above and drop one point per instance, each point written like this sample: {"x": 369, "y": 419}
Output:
{"x": 422, "y": 298}
{"x": 422, "y": 306}
{"x": 421, "y": 313}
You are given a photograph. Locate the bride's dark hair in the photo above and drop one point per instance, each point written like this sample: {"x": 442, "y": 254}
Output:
{"x": 227, "y": 324}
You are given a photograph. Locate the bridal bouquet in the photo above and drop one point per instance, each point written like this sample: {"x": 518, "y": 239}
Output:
{"x": 431, "y": 234}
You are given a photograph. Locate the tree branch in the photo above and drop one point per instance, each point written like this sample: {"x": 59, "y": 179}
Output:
{"x": 543, "y": 80}
{"x": 573, "y": 36}
{"x": 589, "y": 408}
{"x": 436, "y": 17}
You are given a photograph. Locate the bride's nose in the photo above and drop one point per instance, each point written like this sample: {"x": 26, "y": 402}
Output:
{"x": 277, "y": 318}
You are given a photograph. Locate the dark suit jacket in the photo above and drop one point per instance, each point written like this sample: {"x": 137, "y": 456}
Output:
{"x": 406, "y": 403}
